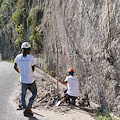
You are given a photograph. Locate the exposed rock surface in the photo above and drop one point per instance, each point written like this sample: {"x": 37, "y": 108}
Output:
{"x": 86, "y": 35}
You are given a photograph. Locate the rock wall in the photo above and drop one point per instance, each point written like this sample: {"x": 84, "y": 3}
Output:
{"x": 85, "y": 35}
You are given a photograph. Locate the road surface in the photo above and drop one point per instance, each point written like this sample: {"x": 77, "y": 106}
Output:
{"x": 9, "y": 80}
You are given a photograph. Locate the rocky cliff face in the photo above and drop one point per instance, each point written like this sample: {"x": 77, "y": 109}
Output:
{"x": 7, "y": 48}
{"x": 86, "y": 36}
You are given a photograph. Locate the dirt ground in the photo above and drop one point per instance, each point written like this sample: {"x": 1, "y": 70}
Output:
{"x": 72, "y": 114}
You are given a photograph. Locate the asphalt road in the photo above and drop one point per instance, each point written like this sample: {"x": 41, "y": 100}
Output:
{"x": 9, "y": 79}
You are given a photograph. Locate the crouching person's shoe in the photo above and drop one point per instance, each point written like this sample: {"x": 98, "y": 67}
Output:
{"x": 27, "y": 112}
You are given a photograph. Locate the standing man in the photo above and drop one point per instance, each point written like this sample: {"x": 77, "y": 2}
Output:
{"x": 24, "y": 64}
{"x": 72, "y": 85}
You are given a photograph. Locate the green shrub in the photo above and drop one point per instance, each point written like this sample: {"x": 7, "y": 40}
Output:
{"x": 29, "y": 21}
{"x": 1, "y": 2}
{"x": 52, "y": 73}
{"x": 34, "y": 20}
{"x": 20, "y": 35}
{"x": 102, "y": 116}
{"x": 11, "y": 61}
{"x": 36, "y": 38}
{"x": 17, "y": 17}
{"x": 35, "y": 15}
{"x": 30, "y": 2}
{"x": 31, "y": 17}
{"x": 4, "y": 7}
{"x": 6, "y": 11}
{"x": 1, "y": 16}
{"x": 12, "y": 3}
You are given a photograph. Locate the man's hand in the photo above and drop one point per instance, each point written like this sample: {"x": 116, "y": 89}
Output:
{"x": 64, "y": 83}
{"x": 16, "y": 68}
{"x": 33, "y": 68}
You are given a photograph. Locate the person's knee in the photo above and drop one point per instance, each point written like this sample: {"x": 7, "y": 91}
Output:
{"x": 34, "y": 93}
{"x": 73, "y": 100}
{"x": 23, "y": 95}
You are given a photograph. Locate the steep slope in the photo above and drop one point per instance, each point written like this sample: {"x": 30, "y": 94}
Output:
{"x": 86, "y": 36}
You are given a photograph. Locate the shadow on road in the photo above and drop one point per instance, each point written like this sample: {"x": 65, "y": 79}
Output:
{"x": 38, "y": 114}
{"x": 33, "y": 118}
{"x": 85, "y": 110}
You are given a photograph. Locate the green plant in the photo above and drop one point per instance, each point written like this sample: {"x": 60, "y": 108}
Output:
{"x": 12, "y": 3}
{"x": 44, "y": 71}
{"x": 4, "y": 6}
{"x": 6, "y": 11}
{"x": 1, "y": 2}
{"x": 19, "y": 4}
{"x": 34, "y": 20}
{"x": 20, "y": 35}
{"x": 35, "y": 15}
{"x": 20, "y": 16}
{"x": 11, "y": 61}
{"x": 1, "y": 17}
{"x": 36, "y": 38}
{"x": 31, "y": 17}
{"x": 29, "y": 21}
{"x": 52, "y": 73}
{"x": 102, "y": 116}
{"x": 30, "y": 2}
{"x": 17, "y": 17}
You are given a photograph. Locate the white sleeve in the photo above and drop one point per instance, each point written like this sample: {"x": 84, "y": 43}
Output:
{"x": 66, "y": 79}
{"x": 16, "y": 60}
{"x": 33, "y": 61}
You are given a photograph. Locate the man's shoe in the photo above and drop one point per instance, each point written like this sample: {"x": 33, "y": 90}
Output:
{"x": 27, "y": 112}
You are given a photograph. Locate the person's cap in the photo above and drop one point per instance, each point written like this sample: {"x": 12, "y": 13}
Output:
{"x": 25, "y": 45}
{"x": 71, "y": 70}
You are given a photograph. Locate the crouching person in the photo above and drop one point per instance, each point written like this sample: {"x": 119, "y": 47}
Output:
{"x": 24, "y": 64}
{"x": 72, "y": 85}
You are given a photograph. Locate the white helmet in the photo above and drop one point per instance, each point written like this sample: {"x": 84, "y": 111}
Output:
{"x": 25, "y": 45}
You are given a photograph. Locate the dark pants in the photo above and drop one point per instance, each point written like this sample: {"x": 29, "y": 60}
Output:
{"x": 32, "y": 87}
{"x": 70, "y": 99}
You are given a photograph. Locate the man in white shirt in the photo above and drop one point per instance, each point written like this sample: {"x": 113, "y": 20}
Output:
{"x": 24, "y": 64}
{"x": 72, "y": 85}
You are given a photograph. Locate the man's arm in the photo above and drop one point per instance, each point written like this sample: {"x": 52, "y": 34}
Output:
{"x": 64, "y": 83}
{"x": 33, "y": 68}
{"x": 16, "y": 67}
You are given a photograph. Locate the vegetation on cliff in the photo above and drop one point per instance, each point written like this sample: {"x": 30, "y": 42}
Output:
{"x": 23, "y": 22}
